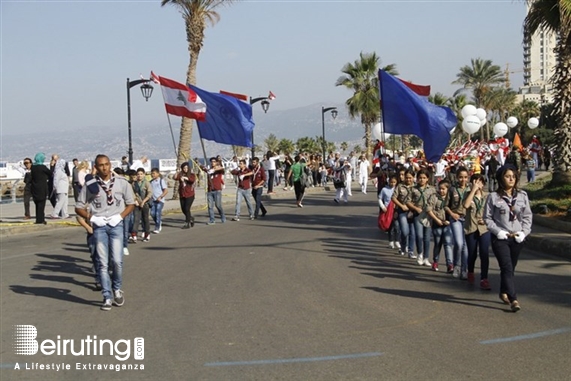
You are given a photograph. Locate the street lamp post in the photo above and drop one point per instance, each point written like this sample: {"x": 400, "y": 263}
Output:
{"x": 265, "y": 106}
{"x": 334, "y": 115}
{"x": 147, "y": 91}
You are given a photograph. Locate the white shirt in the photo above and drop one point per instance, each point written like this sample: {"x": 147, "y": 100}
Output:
{"x": 364, "y": 166}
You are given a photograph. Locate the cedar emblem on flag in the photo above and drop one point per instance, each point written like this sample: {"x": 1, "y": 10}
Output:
{"x": 179, "y": 99}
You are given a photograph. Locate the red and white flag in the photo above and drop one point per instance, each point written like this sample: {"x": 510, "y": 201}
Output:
{"x": 179, "y": 99}
{"x": 271, "y": 96}
{"x": 242, "y": 97}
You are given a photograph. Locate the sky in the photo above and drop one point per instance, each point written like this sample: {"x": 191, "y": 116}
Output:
{"x": 64, "y": 64}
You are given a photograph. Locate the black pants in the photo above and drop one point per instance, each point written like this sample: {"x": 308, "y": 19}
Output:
{"x": 299, "y": 190}
{"x": 507, "y": 254}
{"x": 185, "y": 205}
{"x": 141, "y": 214}
{"x": 271, "y": 174}
{"x": 40, "y": 211}
{"x": 257, "y": 194}
{"x": 27, "y": 198}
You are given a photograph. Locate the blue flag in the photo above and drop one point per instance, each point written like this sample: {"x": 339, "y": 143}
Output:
{"x": 227, "y": 121}
{"x": 404, "y": 112}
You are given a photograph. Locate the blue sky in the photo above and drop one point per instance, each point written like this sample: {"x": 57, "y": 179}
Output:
{"x": 64, "y": 64}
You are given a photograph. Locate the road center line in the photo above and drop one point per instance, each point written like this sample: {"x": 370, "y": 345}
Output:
{"x": 526, "y": 337}
{"x": 293, "y": 360}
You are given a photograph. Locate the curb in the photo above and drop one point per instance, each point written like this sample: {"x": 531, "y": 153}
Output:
{"x": 558, "y": 247}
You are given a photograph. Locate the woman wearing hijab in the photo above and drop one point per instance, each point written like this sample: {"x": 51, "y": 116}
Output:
{"x": 61, "y": 189}
{"x": 507, "y": 215}
{"x": 40, "y": 175}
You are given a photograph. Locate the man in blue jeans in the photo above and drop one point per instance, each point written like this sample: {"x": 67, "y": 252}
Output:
{"x": 243, "y": 175}
{"x": 215, "y": 176}
{"x": 105, "y": 210}
{"x": 160, "y": 190}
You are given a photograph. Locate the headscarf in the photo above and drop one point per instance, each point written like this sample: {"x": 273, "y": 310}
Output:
{"x": 60, "y": 165}
{"x": 39, "y": 158}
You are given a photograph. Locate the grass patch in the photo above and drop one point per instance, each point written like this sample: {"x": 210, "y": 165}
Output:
{"x": 557, "y": 199}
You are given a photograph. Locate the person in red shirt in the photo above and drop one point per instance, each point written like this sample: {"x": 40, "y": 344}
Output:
{"x": 186, "y": 181}
{"x": 258, "y": 180}
{"x": 243, "y": 177}
{"x": 215, "y": 178}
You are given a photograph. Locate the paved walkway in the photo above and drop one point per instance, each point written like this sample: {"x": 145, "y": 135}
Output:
{"x": 548, "y": 236}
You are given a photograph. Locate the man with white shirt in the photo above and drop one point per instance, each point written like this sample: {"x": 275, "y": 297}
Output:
{"x": 364, "y": 168}
{"x": 105, "y": 209}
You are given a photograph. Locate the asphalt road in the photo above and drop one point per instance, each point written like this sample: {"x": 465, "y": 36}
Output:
{"x": 303, "y": 294}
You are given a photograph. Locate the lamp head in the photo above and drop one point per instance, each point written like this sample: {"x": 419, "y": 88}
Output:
{"x": 334, "y": 113}
{"x": 265, "y": 105}
{"x": 147, "y": 91}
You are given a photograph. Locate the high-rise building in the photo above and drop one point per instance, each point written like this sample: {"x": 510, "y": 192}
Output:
{"x": 538, "y": 66}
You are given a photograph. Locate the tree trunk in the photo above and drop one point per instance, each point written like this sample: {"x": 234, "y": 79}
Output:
{"x": 368, "y": 140}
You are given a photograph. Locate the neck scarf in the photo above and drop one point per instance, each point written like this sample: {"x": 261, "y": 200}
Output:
{"x": 108, "y": 188}
{"x": 511, "y": 204}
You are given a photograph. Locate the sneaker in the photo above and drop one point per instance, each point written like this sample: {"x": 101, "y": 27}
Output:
{"x": 419, "y": 260}
{"x": 252, "y": 218}
{"x": 515, "y": 306}
{"x": 125, "y": 251}
{"x": 411, "y": 255}
{"x": 397, "y": 244}
{"x": 236, "y": 219}
{"x": 434, "y": 266}
{"x": 471, "y": 279}
{"x": 391, "y": 245}
{"x": 160, "y": 227}
{"x": 156, "y": 231}
{"x": 147, "y": 238}
{"x": 106, "y": 306}
{"x": 449, "y": 269}
{"x": 210, "y": 223}
{"x": 456, "y": 272}
{"x": 485, "y": 284}
{"x": 401, "y": 252}
{"x": 192, "y": 223}
{"x": 134, "y": 238}
{"x": 426, "y": 262}
{"x": 264, "y": 214}
{"x": 118, "y": 298}
{"x": 504, "y": 298}
{"x": 464, "y": 275}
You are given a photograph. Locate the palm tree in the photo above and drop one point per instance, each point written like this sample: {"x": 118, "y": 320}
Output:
{"x": 271, "y": 143}
{"x": 480, "y": 77}
{"x": 196, "y": 14}
{"x": 523, "y": 111}
{"x": 361, "y": 78}
{"x": 456, "y": 103}
{"x": 554, "y": 15}
{"x": 344, "y": 146}
{"x": 286, "y": 146}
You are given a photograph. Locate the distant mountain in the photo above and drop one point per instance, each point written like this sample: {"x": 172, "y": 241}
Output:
{"x": 156, "y": 142}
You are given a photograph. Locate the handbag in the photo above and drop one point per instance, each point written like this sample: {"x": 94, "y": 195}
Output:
{"x": 338, "y": 183}
{"x": 386, "y": 218}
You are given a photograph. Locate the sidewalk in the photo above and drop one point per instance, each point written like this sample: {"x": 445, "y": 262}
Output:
{"x": 548, "y": 235}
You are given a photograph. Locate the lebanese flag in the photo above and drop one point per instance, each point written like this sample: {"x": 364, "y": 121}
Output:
{"x": 422, "y": 90}
{"x": 179, "y": 99}
{"x": 271, "y": 96}
{"x": 242, "y": 97}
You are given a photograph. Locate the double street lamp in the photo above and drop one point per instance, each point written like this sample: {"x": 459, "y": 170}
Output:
{"x": 334, "y": 115}
{"x": 265, "y": 106}
{"x": 147, "y": 91}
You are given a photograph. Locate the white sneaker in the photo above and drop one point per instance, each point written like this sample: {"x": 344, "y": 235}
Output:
{"x": 125, "y": 251}
{"x": 391, "y": 245}
{"x": 427, "y": 263}
{"x": 397, "y": 245}
{"x": 419, "y": 260}
{"x": 156, "y": 231}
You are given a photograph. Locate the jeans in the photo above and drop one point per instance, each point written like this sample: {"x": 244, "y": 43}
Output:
{"x": 442, "y": 237}
{"x": 94, "y": 258}
{"x": 215, "y": 200}
{"x": 530, "y": 175}
{"x": 109, "y": 246}
{"x": 185, "y": 205}
{"x": 394, "y": 232}
{"x": 460, "y": 248}
{"x": 507, "y": 253}
{"x": 271, "y": 175}
{"x": 479, "y": 242}
{"x": 492, "y": 183}
{"x": 157, "y": 213}
{"x": 244, "y": 194}
{"x": 423, "y": 234}
{"x": 141, "y": 213}
{"x": 407, "y": 234}
{"x": 127, "y": 227}
{"x": 257, "y": 194}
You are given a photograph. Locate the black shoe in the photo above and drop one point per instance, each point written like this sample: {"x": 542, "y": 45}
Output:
{"x": 186, "y": 226}
{"x": 192, "y": 223}
{"x": 264, "y": 214}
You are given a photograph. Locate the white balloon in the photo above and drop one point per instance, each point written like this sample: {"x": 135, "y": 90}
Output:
{"x": 481, "y": 113}
{"x": 512, "y": 122}
{"x": 533, "y": 123}
{"x": 483, "y": 121}
{"x": 471, "y": 124}
{"x": 500, "y": 129}
{"x": 377, "y": 132}
{"x": 468, "y": 110}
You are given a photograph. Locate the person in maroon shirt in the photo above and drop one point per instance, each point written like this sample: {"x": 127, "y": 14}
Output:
{"x": 258, "y": 180}
{"x": 186, "y": 181}
{"x": 215, "y": 177}
{"x": 243, "y": 175}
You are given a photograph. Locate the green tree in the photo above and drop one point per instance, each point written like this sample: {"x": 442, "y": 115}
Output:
{"x": 415, "y": 141}
{"x": 344, "y": 146}
{"x": 480, "y": 78}
{"x": 523, "y": 111}
{"x": 239, "y": 150}
{"x": 272, "y": 143}
{"x": 357, "y": 149}
{"x": 361, "y": 78}
{"x": 456, "y": 103}
{"x": 286, "y": 146}
{"x": 196, "y": 15}
{"x": 555, "y": 15}
{"x": 307, "y": 144}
